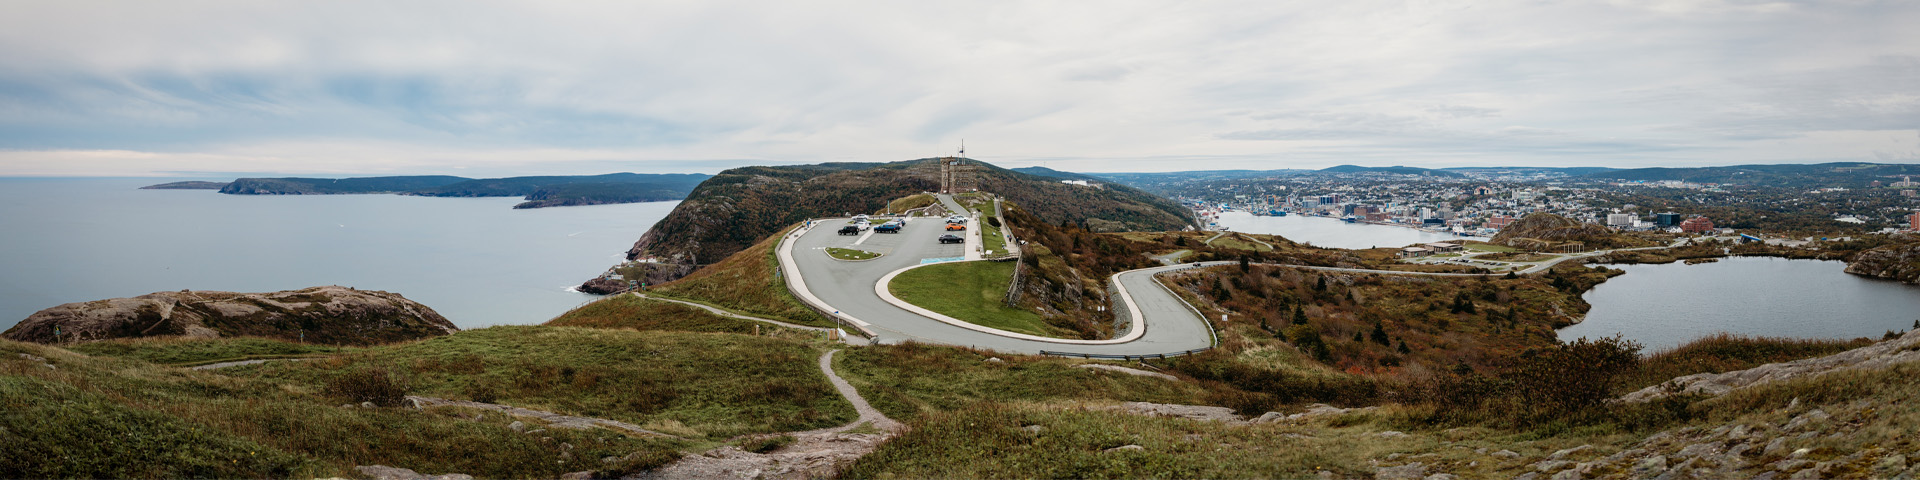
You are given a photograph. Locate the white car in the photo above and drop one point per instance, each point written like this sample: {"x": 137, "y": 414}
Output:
{"x": 957, "y": 219}
{"x": 860, "y": 218}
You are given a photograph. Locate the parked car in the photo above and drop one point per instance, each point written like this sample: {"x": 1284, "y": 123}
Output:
{"x": 887, "y": 228}
{"x": 955, "y": 226}
{"x": 849, "y": 230}
{"x": 862, "y": 225}
{"x": 957, "y": 219}
{"x": 951, "y": 239}
{"x": 861, "y": 217}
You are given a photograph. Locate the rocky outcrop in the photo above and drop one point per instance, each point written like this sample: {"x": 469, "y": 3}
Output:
{"x": 603, "y": 286}
{"x": 1903, "y": 349}
{"x": 1543, "y": 231}
{"x": 187, "y": 186}
{"x": 1893, "y": 262}
{"x": 331, "y": 315}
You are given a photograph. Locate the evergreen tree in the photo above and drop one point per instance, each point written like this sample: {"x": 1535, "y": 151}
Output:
{"x": 1380, "y": 334}
{"x": 1403, "y": 348}
{"x": 1321, "y": 284}
{"x": 1299, "y": 315}
{"x": 1246, "y": 265}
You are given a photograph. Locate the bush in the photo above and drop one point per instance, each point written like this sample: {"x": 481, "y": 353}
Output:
{"x": 367, "y": 385}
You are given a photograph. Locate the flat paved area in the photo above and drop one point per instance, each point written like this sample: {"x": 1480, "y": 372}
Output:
{"x": 848, "y": 287}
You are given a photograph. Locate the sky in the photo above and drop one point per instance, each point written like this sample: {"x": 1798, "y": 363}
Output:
{"x": 489, "y": 88}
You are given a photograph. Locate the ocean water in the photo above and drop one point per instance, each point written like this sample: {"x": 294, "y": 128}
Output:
{"x": 477, "y": 261}
{"x": 1663, "y": 306}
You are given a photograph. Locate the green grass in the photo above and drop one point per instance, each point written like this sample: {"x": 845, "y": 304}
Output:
{"x": 182, "y": 351}
{"x": 907, "y": 380}
{"x": 851, "y": 254}
{"x": 1488, "y": 247}
{"x": 974, "y": 292}
{"x": 704, "y": 385}
{"x": 637, "y": 313}
{"x": 105, "y": 417}
{"x": 747, "y": 282}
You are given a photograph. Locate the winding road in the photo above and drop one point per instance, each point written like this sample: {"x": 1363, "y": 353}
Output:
{"x": 1156, "y": 321}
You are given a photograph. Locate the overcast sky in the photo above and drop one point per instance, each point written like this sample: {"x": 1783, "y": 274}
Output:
{"x": 484, "y": 88}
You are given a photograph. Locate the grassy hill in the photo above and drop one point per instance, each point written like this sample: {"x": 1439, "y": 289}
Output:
{"x": 742, "y": 206}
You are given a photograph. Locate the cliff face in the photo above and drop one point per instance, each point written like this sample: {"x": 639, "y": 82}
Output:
{"x": 332, "y": 314}
{"x": 1892, "y": 262}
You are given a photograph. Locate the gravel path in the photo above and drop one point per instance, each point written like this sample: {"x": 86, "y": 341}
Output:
{"x": 849, "y": 338}
{"x": 867, "y": 412}
{"x": 553, "y": 419}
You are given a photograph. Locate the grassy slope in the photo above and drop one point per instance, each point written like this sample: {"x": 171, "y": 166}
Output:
{"x": 746, "y": 282}
{"x": 971, "y": 291}
{"x": 907, "y": 380}
{"x": 696, "y": 384}
{"x": 181, "y": 351}
{"x": 108, "y": 417}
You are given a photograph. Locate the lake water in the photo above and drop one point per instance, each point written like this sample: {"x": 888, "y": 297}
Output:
{"x": 1663, "y": 306}
{"x": 1331, "y": 232}
{"x": 477, "y": 261}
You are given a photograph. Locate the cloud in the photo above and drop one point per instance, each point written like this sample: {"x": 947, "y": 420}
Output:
{"x": 383, "y": 86}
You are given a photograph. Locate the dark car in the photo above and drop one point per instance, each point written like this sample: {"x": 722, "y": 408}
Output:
{"x": 849, "y": 230}
{"x": 951, "y": 239}
{"x": 887, "y": 228}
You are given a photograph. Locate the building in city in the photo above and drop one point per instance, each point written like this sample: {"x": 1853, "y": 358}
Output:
{"x": 1697, "y": 225}
{"x": 1665, "y": 220}
{"x": 1621, "y": 219}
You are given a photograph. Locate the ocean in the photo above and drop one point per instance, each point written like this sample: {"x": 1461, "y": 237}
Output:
{"x": 477, "y": 261}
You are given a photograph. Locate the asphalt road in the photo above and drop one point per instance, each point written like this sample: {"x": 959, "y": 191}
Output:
{"x": 1168, "y": 326}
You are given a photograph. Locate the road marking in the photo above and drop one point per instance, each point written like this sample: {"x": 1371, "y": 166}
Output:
{"x": 863, "y": 237}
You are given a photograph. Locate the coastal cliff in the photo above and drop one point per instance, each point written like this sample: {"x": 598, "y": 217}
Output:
{"x": 331, "y": 314}
{"x": 1892, "y": 262}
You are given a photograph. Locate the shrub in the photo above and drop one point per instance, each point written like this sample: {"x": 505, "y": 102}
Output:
{"x": 367, "y": 385}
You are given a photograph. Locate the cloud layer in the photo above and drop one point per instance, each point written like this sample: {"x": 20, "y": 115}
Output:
{"x": 485, "y": 88}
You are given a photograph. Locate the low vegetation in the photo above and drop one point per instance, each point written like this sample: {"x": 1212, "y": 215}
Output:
{"x": 851, "y": 254}
{"x": 746, "y": 282}
{"x": 974, "y": 292}
{"x": 907, "y": 380}
{"x": 183, "y": 351}
{"x": 105, "y": 417}
{"x": 698, "y": 385}
{"x": 638, "y": 313}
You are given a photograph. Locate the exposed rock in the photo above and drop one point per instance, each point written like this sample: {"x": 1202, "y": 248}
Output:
{"x": 1442, "y": 476}
{"x": 332, "y": 315}
{"x": 998, "y": 360}
{"x": 816, "y": 454}
{"x": 1893, "y": 262}
{"x": 1506, "y": 454}
{"x": 383, "y": 472}
{"x": 1905, "y": 348}
{"x": 517, "y": 426}
{"x": 1124, "y": 448}
{"x": 1805, "y": 419}
{"x": 1392, "y": 434}
{"x": 1318, "y": 410}
{"x": 1560, "y": 455}
{"x": 1649, "y": 466}
{"x": 603, "y": 286}
{"x": 1117, "y": 368}
{"x": 368, "y": 405}
{"x": 1191, "y": 412}
{"x": 1411, "y": 471}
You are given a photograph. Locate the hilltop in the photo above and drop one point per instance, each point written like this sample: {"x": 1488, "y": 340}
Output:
{"x": 328, "y": 315}
{"x": 1546, "y": 231}
{"x": 741, "y": 206}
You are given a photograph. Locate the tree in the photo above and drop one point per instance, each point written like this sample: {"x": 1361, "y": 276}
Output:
{"x": 1380, "y": 334}
{"x": 1179, "y": 241}
{"x": 1511, "y": 276}
{"x": 1299, "y": 315}
{"x": 1246, "y": 264}
{"x": 1320, "y": 285}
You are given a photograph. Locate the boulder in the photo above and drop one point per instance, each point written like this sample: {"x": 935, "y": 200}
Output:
{"x": 330, "y": 315}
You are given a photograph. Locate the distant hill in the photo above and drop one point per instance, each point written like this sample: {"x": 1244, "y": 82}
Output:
{"x": 740, "y": 206}
{"x": 1051, "y": 173}
{"x": 1569, "y": 171}
{"x": 539, "y": 191}
{"x": 1149, "y": 178}
{"x": 187, "y": 186}
{"x": 1851, "y": 175}
{"x": 334, "y": 186}
{"x": 1397, "y": 170}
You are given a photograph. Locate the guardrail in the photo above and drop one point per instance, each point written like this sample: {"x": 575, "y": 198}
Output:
{"x": 1103, "y": 356}
{"x": 784, "y": 282}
